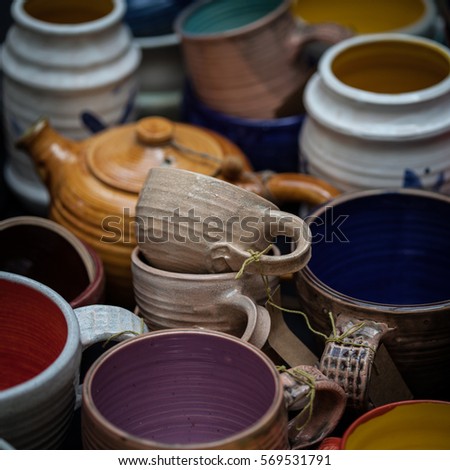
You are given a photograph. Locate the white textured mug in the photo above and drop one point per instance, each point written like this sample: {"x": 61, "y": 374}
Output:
{"x": 40, "y": 354}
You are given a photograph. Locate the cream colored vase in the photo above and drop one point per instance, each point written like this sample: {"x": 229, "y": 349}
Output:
{"x": 72, "y": 61}
{"x": 378, "y": 114}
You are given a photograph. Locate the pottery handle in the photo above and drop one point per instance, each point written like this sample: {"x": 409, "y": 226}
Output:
{"x": 299, "y": 188}
{"x": 102, "y": 323}
{"x": 328, "y": 33}
{"x": 258, "y": 318}
{"x": 320, "y": 401}
{"x": 276, "y": 223}
{"x": 349, "y": 359}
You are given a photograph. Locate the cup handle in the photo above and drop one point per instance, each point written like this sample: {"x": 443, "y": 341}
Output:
{"x": 328, "y": 406}
{"x": 299, "y": 188}
{"x": 102, "y": 322}
{"x": 329, "y": 33}
{"x": 258, "y": 318}
{"x": 349, "y": 362}
{"x": 285, "y": 224}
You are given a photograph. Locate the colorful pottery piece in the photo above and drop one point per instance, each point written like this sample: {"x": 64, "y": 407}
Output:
{"x": 405, "y": 425}
{"x": 242, "y": 57}
{"x": 72, "y": 61}
{"x": 47, "y": 252}
{"x": 377, "y": 114}
{"x": 40, "y": 353}
{"x": 383, "y": 257}
{"x": 417, "y": 17}
{"x": 198, "y": 389}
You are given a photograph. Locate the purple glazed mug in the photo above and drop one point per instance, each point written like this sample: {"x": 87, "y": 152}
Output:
{"x": 198, "y": 389}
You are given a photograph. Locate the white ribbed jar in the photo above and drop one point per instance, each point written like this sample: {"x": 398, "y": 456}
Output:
{"x": 378, "y": 114}
{"x": 72, "y": 61}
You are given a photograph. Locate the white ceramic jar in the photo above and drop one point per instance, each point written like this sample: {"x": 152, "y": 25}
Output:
{"x": 378, "y": 114}
{"x": 72, "y": 61}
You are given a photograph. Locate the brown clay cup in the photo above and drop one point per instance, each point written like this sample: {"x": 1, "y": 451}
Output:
{"x": 243, "y": 57}
{"x": 198, "y": 389}
{"x": 193, "y": 223}
{"x": 217, "y": 302}
{"x": 45, "y": 251}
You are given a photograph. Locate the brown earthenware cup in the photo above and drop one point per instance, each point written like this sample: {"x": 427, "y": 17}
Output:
{"x": 193, "y": 223}
{"x": 198, "y": 389}
{"x": 243, "y": 57}
{"x": 218, "y": 302}
{"x": 45, "y": 251}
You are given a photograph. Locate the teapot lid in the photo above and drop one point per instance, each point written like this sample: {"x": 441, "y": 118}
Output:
{"x": 122, "y": 157}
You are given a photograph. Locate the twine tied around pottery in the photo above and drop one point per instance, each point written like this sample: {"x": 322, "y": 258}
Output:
{"x": 334, "y": 337}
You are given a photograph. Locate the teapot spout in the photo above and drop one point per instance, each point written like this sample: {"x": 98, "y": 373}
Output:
{"x": 50, "y": 151}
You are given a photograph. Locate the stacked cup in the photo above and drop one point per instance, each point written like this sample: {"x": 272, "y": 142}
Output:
{"x": 195, "y": 234}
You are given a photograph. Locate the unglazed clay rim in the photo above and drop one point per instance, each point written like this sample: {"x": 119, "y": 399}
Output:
{"x": 231, "y": 188}
{"x": 311, "y": 278}
{"x": 65, "y": 356}
{"x": 100, "y": 420}
{"x": 381, "y": 410}
{"x": 147, "y": 268}
{"x": 231, "y": 33}
{"x": 21, "y": 17}
{"x": 330, "y": 80}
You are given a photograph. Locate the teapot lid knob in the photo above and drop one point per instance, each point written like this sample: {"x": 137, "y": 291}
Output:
{"x": 154, "y": 130}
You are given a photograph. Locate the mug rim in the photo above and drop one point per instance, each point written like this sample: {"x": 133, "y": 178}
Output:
{"x": 57, "y": 368}
{"x": 425, "y": 94}
{"x": 147, "y": 268}
{"x": 380, "y": 411}
{"x": 23, "y": 18}
{"x": 89, "y": 257}
{"x": 230, "y": 187}
{"x": 307, "y": 274}
{"x": 229, "y": 33}
{"x": 88, "y": 404}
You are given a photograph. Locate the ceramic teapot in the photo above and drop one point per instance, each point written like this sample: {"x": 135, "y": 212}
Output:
{"x": 94, "y": 184}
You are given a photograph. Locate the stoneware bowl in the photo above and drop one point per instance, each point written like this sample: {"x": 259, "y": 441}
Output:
{"x": 198, "y": 389}
{"x": 382, "y": 256}
{"x": 43, "y": 250}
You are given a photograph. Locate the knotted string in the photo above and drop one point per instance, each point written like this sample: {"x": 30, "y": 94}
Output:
{"x": 120, "y": 333}
{"x": 304, "y": 378}
{"x": 254, "y": 258}
{"x": 334, "y": 337}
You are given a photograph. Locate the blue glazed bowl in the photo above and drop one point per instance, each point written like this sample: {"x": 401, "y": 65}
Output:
{"x": 383, "y": 256}
{"x": 269, "y": 144}
{"x": 153, "y": 17}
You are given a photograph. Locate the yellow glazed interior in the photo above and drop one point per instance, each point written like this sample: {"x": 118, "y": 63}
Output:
{"x": 68, "y": 11}
{"x": 391, "y": 66}
{"x": 422, "y": 426}
{"x": 362, "y": 16}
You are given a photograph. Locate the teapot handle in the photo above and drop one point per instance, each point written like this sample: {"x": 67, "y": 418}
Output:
{"x": 299, "y": 187}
